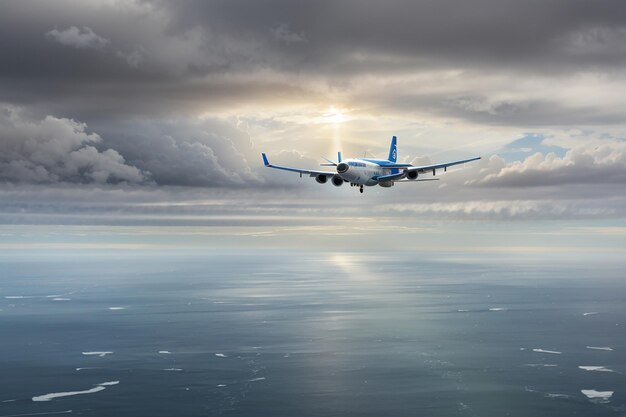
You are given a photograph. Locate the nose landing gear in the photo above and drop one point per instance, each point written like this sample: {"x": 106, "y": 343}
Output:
{"x": 361, "y": 189}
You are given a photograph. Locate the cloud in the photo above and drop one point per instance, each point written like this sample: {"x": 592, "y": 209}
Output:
{"x": 78, "y": 38}
{"x": 207, "y": 152}
{"x": 584, "y": 164}
{"x": 282, "y": 33}
{"x": 57, "y": 150}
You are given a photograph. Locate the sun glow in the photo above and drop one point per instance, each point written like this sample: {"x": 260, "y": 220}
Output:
{"x": 334, "y": 115}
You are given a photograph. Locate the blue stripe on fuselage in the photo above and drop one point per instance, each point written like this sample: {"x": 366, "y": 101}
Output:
{"x": 381, "y": 162}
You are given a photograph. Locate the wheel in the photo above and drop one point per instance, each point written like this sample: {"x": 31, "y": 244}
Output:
{"x": 361, "y": 190}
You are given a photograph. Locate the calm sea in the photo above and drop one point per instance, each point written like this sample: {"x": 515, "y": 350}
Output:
{"x": 262, "y": 333}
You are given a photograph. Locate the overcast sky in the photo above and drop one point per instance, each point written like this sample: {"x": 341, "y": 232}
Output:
{"x": 121, "y": 112}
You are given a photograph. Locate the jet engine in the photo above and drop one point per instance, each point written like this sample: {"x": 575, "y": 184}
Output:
{"x": 386, "y": 184}
{"x": 337, "y": 180}
{"x": 321, "y": 179}
{"x": 412, "y": 175}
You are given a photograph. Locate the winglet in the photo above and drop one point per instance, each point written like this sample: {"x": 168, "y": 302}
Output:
{"x": 265, "y": 161}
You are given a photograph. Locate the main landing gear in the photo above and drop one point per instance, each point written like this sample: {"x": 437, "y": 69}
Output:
{"x": 352, "y": 184}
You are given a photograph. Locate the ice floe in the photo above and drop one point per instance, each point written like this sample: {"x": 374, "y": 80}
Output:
{"x": 173, "y": 369}
{"x": 98, "y": 353}
{"x": 257, "y": 379}
{"x": 551, "y": 395}
{"x": 554, "y": 352}
{"x": 462, "y": 310}
{"x": 221, "y": 355}
{"x": 609, "y": 349}
{"x": 595, "y": 368}
{"x": 99, "y": 387}
{"x": 117, "y": 308}
{"x": 497, "y": 309}
{"x": 597, "y": 395}
{"x": 61, "y": 299}
{"x": 591, "y": 313}
{"x": 541, "y": 365}
{"x": 221, "y": 385}
{"x": 165, "y": 352}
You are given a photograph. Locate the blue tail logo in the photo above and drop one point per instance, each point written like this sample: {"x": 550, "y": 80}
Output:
{"x": 393, "y": 150}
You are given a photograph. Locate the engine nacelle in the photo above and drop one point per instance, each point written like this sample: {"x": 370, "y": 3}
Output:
{"x": 321, "y": 179}
{"x": 337, "y": 180}
{"x": 386, "y": 184}
{"x": 412, "y": 175}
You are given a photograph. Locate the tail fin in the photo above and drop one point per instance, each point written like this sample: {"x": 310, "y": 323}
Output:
{"x": 393, "y": 150}
{"x": 338, "y": 157}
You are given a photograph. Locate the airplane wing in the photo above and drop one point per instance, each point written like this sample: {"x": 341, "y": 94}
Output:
{"x": 301, "y": 171}
{"x": 425, "y": 168}
{"x": 422, "y": 169}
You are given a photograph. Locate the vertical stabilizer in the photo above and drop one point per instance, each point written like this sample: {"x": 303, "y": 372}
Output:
{"x": 393, "y": 150}
{"x": 338, "y": 157}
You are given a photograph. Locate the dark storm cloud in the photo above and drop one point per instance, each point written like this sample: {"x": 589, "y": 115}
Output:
{"x": 474, "y": 33}
{"x": 175, "y": 42}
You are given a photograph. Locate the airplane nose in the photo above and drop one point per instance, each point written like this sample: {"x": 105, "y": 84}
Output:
{"x": 342, "y": 168}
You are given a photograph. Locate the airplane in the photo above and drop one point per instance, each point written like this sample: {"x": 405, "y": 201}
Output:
{"x": 364, "y": 171}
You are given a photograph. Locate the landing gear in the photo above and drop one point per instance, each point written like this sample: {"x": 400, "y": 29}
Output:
{"x": 361, "y": 189}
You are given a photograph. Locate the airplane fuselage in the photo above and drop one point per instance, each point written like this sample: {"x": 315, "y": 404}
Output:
{"x": 361, "y": 171}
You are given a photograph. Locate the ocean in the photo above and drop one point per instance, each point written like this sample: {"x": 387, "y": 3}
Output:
{"x": 306, "y": 333}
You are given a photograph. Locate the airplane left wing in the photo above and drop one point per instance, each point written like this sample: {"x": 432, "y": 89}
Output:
{"x": 311, "y": 173}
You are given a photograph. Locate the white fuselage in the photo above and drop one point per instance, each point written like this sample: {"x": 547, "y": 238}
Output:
{"x": 362, "y": 172}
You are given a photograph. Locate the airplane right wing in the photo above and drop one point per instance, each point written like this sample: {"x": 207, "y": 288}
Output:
{"x": 311, "y": 173}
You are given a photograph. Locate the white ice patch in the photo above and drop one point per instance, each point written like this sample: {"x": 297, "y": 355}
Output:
{"x": 98, "y": 353}
{"x": 591, "y": 313}
{"x": 462, "y": 310}
{"x": 551, "y": 395}
{"x": 49, "y": 397}
{"x": 117, "y": 308}
{"x": 173, "y": 369}
{"x": 597, "y": 395}
{"x": 61, "y": 299}
{"x": 257, "y": 379}
{"x": 600, "y": 348}
{"x": 165, "y": 352}
{"x": 221, "y": 385}
{"x": 596, "y": 368}
{"x": 497, "y": 309}
{"x": 543, "y": 365}
{"x": 221, "y": 355}
{"x": 554, "y": 352}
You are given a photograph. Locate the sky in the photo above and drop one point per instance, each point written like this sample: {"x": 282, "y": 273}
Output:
{"x": 122, "y": 118}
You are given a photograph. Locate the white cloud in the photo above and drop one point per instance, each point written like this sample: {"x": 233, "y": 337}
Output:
{"x": 594, "y": 163}
{"x": 78, "y": 38}
{"x": 57, "y": 150}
